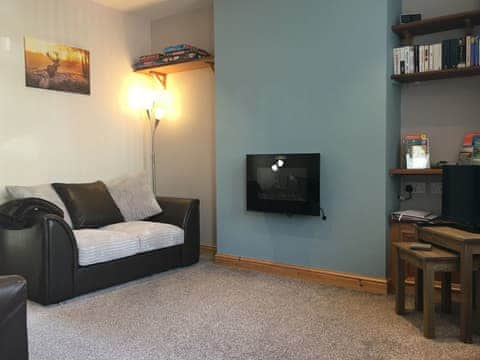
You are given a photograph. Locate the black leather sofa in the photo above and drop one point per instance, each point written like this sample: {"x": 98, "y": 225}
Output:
{"x": 13, "y": 318}
{"x": 46, "y": 254}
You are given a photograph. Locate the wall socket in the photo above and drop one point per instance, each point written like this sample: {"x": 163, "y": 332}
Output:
{"x": 436, "y": 188}
{"x": 418, "y": 187}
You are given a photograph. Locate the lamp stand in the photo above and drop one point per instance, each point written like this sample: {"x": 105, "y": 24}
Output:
{"x": 153, "y": 129}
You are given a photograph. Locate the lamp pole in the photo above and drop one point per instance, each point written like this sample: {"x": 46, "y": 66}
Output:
{"x": 153, "y": 122}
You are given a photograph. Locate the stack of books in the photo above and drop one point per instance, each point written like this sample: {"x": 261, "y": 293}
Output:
{"x": 413, "y": 216}
{"x": 470, "y": 152}
{"x": 449, "y": 54}
{"x": 171, "y": 55}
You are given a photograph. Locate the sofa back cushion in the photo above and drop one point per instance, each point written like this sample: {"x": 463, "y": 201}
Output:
{"x": 134, "y": 197}
{"x": 90, "y": 205}
{"x": 45, "y": 192}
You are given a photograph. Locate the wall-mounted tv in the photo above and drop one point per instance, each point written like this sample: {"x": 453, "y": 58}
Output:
{"x": 284, "y": 183}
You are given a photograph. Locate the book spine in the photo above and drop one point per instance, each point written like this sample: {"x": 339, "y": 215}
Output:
{"x": 468, "y": 52}
{"x": 417, "y": 62}
{"x": 462, "y": 54}
{"x": 445, "y": 54}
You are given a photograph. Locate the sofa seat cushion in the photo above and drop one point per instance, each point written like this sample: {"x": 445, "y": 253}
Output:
{"x": 152, "y": 235}
{"x": 98, "y": 246}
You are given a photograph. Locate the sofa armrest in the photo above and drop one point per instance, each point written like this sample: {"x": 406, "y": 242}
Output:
{"x": 45, "y": 254}
{"x": 184, "y": 213}
{"x": 13, "y": 318}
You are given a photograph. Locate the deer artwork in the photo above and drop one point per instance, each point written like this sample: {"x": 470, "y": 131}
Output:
{"x": 52, "y": 69}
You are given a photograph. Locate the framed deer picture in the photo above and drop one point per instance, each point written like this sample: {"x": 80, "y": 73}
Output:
{"x": 56, "y": 67}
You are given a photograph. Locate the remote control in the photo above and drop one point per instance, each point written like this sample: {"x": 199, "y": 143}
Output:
{"x": 420, "y": 246}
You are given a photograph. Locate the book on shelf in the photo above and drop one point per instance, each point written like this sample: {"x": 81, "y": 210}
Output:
{"x": 476, "y": 150}
{"x": 416, "y": 148}
{"x": 449, "y": 54}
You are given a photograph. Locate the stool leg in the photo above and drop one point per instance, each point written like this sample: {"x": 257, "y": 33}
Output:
{"x": 428, "y": 302}
{"x": 476, "y": 299}
{"x": 476, "y": 290}
{"x": 446, "y": 292}
{"x": 400, "y": 285}
{"x": 419, "y": 289}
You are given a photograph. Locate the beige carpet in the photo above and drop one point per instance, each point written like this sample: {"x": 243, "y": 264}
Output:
{"x": 213, "y": 312}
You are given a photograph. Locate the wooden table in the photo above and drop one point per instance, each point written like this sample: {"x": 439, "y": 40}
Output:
{"x": 467, "y": 245}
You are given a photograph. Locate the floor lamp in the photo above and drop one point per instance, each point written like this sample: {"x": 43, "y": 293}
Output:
{"x": 154, "y": 115}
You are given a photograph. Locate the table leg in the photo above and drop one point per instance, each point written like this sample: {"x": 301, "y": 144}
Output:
{"x": 428, "y": 302}
{"x": 400, "y": 285}
{"x": 466, "y": 278}
{"x": 446, "y": 292}
{"x": 419, "y": 289}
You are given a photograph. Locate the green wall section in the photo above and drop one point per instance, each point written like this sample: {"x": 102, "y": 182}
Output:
{"x": 307, "y": 76}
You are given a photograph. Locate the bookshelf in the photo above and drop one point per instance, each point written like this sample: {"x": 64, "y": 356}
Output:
{"x": 462, "y": 20}
{"x": 437, "y": 75}
{"x": 465, "y": 20}
{"x": 416, "y": 172}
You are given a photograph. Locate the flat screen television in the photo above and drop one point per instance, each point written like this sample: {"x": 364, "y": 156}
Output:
{"x": 461, "y": 196}
{"x": 284, "y": 183}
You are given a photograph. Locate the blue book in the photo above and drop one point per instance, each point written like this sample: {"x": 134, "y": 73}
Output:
{"x": 173, "y": 48}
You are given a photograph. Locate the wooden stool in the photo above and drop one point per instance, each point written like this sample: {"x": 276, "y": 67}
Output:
{"x": 427, "y": 263}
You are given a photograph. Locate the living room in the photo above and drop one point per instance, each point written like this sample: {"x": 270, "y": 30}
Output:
{"x": 237, "y": 204}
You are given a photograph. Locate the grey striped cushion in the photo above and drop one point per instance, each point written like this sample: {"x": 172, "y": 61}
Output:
{"x": 134, "y": 197}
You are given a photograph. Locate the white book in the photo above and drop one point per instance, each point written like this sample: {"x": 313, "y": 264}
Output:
{"x": 468, "y": 46}
{"x": 420, "y": 58}
{"x": 438, "y": 57}
{"x": 430, "y": 58}
{"x": 394, "y": 58}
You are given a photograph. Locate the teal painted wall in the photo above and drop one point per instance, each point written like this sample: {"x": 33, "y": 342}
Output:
{"x": 307, "y": 76}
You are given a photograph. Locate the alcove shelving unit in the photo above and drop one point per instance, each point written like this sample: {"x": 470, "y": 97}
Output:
{"x": 407, "y": 232}
{"x": 407, "y": 32}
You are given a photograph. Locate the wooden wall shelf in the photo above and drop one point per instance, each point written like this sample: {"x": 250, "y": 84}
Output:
{"x": 416, "y": 172}
{"x": 437, "y": 75}
{"x": 207, "y": 62}
{"x": 467, "y": 20}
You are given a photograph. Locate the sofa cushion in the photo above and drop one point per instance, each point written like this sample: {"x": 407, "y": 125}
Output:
{"x": 90, "y": 205}
{"x": 134, "y": 197}
{"x": 152, "y": 235}
{"x": 98, "y": 246}
{"x": 45, "y": 192}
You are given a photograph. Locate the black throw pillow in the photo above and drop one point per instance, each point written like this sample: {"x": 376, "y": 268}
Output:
{"x": 90, "y": 205}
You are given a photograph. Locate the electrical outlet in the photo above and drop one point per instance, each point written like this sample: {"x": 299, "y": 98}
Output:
{"x": 436, "y": 188}
{"x": 418, "y": 188}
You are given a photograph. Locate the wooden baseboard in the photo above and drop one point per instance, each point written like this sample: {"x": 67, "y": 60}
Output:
{"x": 209, "y": 249}
{"x": 350, "y": 281}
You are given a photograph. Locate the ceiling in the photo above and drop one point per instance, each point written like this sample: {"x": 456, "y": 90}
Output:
{"x": 155, "y": 9}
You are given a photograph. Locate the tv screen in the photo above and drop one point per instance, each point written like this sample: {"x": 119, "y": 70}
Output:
{"x": 284, "y": 183}
{"x": 461, "y": 196}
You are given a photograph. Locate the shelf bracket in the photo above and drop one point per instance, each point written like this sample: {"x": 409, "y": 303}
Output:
{"x": 212, "y": 65}
{"x": 161, "y": 78}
